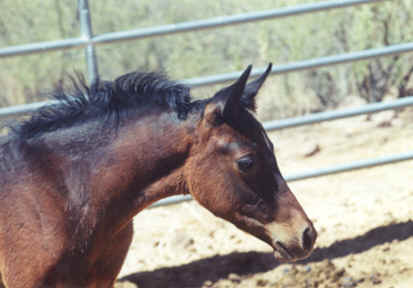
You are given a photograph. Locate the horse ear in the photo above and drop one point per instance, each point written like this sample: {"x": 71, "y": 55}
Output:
{"x": 226, "y": 103}
{"x": 251, "y": 90}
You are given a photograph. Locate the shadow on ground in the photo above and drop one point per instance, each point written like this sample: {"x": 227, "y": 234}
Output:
{"x": 214, "y": 268}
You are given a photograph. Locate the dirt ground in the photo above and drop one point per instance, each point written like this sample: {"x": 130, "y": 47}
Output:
{"x": 364, "y": 219}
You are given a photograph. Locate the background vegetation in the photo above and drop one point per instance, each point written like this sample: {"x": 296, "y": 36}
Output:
{"x": 216, "y": 51}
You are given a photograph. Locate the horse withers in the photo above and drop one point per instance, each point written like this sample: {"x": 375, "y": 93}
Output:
{"x": 75, "y": 174}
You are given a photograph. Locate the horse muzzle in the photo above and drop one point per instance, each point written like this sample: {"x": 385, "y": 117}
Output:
{"x": 290, "y": 248}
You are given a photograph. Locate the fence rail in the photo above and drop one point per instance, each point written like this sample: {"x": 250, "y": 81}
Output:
{"x": 88, "y": 41}
{"x": 282, "y": 69}
{"x": 363, "y": 164}
{"x": 87, "y": 33}
{"x": 170, "y": 29}
{"x": 307, "y": 64}
{"x": 339, "y": 114}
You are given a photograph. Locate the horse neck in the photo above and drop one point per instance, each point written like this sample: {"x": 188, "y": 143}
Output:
{"x": 143, "y": 164}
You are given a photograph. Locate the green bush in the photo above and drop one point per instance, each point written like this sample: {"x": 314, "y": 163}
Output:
{"x": 214, "y": 51}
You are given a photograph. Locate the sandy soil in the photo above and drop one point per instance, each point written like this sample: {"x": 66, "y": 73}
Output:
{"x": 364, "y": 219}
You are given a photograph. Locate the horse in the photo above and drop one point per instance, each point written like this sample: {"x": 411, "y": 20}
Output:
{"x": 75, "y": 173}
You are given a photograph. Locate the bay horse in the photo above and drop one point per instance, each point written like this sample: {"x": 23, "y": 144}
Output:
{"x": 75, "y": 173}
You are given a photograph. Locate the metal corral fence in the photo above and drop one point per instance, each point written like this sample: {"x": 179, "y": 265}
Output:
{"x": 88, "y": 41}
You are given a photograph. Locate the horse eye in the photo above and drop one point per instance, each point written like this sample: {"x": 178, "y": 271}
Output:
{"x": 245, "y": 163}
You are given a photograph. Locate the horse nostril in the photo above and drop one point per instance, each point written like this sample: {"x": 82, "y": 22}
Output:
{"x": 309, "y": 236}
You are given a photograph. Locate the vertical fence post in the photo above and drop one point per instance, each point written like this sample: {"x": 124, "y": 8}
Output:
{"x": 86, "y": 31}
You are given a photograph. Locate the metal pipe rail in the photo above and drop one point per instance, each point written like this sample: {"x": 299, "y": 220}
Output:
{"x": 351, "y": 166}
{"x": 24, "y": 109}
{"x": 82, "y": 42}
{"x": 87, "y": 33}
{"x": 227, "y": 21}
{"x": 338, "y": 114}
{"x": 307, "y": 64}
{"x": 317, "y": 173}
{"x": 287, "y": 68}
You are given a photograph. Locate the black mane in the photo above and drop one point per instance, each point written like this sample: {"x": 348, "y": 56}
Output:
{"x": 105, "y": 99}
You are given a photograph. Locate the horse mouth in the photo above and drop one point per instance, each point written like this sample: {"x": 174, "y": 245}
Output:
{"x": 283, "y": 251}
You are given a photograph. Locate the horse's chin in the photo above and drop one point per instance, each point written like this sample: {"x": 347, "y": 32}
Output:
{"x": 283, "y": 255}
{"x": 283, "y": 259}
